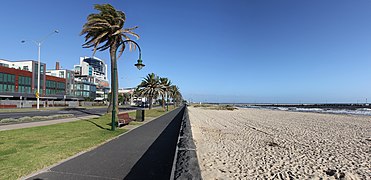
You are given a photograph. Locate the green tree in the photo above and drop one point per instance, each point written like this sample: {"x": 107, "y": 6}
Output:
{"x": 121, "y": 99}
{"x": 165, "y": 83}
{"x": 175, "y": 94}
{"x": 105, "y": 30}
{"x": 126, "y": 97}
{"x": 150, "y": 87}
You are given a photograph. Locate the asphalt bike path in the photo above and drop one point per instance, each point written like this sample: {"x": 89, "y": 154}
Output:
{"x": 146, "y": 152}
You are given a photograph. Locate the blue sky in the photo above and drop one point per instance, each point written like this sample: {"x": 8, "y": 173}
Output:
{"x": 217, "y": 50}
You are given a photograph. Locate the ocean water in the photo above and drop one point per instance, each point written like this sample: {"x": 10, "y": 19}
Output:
{"x": 360, "y": 111}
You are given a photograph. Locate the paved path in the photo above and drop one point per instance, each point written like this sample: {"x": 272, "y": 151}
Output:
{"x": 42, "y": 123}
{"x": 146, "y": 152}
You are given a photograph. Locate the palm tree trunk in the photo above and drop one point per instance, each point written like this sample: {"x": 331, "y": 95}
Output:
{"x": 167, "y": 101}
{"x": 117, "y": 88}
{"x": 110, "y": 106}
{"x": 150, "y": 102}
{"x": 113, "y": 74}
{"x": 163, "y": 102}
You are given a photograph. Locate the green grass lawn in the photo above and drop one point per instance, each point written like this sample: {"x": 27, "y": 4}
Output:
{"x": 151, "y": 113}
{"x": 24, "y": 151}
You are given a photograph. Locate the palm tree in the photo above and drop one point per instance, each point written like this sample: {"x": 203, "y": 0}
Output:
{"x": 121, "y": 99}
{"x": 150, "y": 87}
{"x": 105, "y": 30}
{"x": 126, "y": 97}
{"x": 165, "y": 83}
{"x": 175, "y": 94}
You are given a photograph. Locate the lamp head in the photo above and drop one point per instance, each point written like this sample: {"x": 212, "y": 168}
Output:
{"x": 139, "y": 65}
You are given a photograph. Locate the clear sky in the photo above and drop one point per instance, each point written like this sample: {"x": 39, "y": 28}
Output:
{"x": 216, "y": 50}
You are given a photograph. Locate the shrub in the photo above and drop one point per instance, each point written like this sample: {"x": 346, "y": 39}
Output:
{"x": 8, "y": 120}
{"x": 40, "y": 118}
{"x": 25, "y": 119}
{"x": 35, "y": 118}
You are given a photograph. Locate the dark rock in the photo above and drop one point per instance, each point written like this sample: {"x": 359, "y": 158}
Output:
{"x": 330, "y": 172}
{"x": 341, "y": 175}
{"x": 273, "y": 144}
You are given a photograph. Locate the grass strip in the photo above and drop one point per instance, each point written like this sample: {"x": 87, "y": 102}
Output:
{"x": 25, "y": 151}
{"x": 151, "y": 113}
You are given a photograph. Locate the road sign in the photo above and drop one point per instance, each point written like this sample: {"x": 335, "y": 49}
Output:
{"x": 37, "y": 95}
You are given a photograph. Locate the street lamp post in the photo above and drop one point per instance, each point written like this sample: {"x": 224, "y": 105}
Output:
{"x": 39, "y": 43}
{"x": 139, "y": 65}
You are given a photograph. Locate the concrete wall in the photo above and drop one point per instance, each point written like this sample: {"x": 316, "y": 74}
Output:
{"x": 186, "y": 163}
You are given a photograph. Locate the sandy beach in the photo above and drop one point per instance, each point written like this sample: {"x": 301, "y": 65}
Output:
{"x": 269, "y": 144}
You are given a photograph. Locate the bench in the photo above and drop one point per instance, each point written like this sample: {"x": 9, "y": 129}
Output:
{"x": 124, "y": 119}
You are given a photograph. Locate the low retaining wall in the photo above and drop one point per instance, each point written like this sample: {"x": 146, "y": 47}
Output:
{"x": 186, "y": 163}
{"x": 8, "y": 106}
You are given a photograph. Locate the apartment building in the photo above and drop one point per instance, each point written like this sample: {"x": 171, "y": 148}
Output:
{"x": 18, "y": 80}
{"x": 93, "y": 70}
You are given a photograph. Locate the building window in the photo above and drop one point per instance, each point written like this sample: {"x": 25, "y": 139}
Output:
{"x": 23, "y": 80}
{"x": 42, "y": 69}
{"x": 8, "y": 88}
{"x": 5, "y": 78}
{"x": 24, "y": 84}
{"x": 28, "y": 80}
{"x": 20, "y": 79}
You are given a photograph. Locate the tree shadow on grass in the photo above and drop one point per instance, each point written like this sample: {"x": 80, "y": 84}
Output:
{"x": 87, "y": 112}
{"x": 98, "y": 125}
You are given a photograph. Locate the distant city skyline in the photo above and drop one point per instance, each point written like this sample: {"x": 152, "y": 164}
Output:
{"x": 284, "y": 51}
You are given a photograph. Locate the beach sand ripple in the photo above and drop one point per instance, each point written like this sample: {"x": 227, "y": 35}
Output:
{"x": 268, "y": 144}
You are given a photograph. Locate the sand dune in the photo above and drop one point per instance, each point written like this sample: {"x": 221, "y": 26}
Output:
{"x": 268, "y": 144}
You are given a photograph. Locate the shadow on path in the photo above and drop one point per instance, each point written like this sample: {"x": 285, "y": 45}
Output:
{"x": 157, "y": 161}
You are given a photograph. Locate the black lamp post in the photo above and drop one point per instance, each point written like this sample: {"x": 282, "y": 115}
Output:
{"x": 139, "y": 65}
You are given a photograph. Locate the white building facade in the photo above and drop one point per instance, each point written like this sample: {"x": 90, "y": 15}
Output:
{"x": 97, "y": 69}
{"x": 22, "y": 65}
